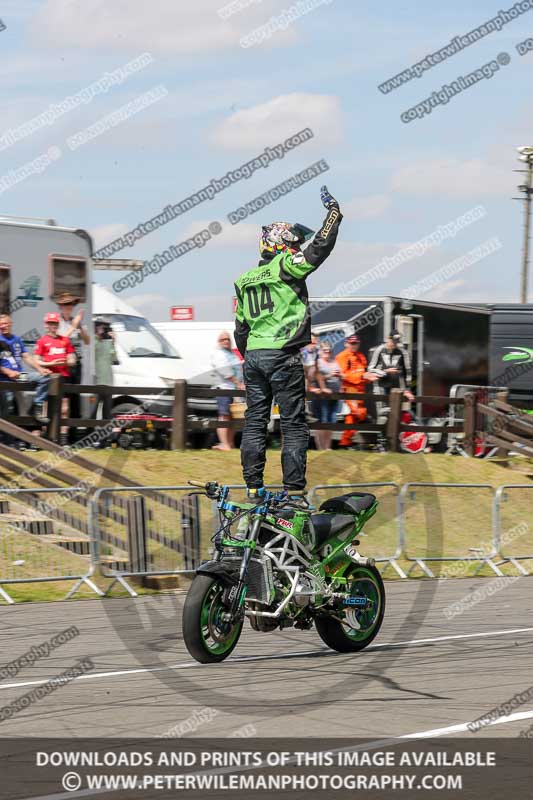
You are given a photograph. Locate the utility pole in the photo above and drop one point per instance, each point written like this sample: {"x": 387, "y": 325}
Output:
{"x": 526, "y": 154}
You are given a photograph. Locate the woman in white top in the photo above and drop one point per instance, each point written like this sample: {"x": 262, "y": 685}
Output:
{"x": 329, "y": 380}
{"x": 228, "y": 369}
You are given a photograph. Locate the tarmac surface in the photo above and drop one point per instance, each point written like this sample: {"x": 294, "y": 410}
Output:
{"x": 427, "y": 673}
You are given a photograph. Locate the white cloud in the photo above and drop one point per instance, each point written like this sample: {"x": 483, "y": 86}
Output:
{"x": 446, "y": 291}
{"x": 167, "y": 26}
{"x": 279, "y": 118}
{"x": 103, "y": 234}
{"x": 452, "y": 177}
{"x": 369, "y": 207}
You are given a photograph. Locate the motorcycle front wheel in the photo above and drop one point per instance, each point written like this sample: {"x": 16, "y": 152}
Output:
{"x": 207, "y": 637}
{"x": 362, "y": 625}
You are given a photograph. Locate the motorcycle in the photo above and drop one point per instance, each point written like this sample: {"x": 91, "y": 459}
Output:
{"x": 283, "y": 566}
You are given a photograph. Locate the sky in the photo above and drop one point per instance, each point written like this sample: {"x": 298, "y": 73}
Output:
{"x": 220, "y": 94}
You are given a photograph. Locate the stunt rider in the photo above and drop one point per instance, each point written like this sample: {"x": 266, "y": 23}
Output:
{"x": 273, "y": 323}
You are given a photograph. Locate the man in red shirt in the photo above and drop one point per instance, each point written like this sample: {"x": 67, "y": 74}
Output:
{"x": 57, "y": 354}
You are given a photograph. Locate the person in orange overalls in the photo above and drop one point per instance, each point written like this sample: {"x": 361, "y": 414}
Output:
{"x": 353, "y": 369}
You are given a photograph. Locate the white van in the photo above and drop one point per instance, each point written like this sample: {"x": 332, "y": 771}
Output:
{"x": 145, "y": 357}
{"x": 194, "y": 342}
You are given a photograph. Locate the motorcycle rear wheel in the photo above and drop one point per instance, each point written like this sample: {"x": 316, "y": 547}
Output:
{"x": 204, "y": 632}
{"x": 345, "y": 639}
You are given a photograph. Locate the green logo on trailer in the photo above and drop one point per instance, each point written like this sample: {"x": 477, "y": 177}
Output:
{"x": 29, "y": 291}
{"x": 522, "y": 355}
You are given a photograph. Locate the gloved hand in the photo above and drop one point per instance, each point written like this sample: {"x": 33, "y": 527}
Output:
{"x": 327, "y": 199}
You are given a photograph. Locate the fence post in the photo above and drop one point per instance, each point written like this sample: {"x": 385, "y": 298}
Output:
{"x": 107, "y": 398}
{"x": 502, "y": 396}
{"x": 393, "y": 423}
{"x": 55, "y": 398}
{"x": 178, "y": 440}
{"x": 136, "y": 509}
{"x": 190, "y": 528}
{"x": 470, "y": 423}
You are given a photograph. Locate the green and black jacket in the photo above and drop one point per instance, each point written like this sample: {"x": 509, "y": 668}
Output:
{"x": 272, "y": 299}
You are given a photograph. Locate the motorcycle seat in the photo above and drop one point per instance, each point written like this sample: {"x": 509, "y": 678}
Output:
{"x": 351, "y": 503}
{"x": 327, "y": 525}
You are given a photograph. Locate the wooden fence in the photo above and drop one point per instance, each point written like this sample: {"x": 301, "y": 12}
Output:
{"x": 180, "y": 423}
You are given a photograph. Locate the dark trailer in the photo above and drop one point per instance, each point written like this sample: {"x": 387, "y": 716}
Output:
{"x": 448, "y": 343}
{"x": 511, "y": 350}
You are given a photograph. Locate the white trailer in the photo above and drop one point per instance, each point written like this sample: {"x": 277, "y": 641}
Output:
{"x": 38, "y": 261}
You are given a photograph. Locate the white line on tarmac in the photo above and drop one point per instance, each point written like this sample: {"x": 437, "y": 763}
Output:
{"x": 277, "y": 656}
{"x": 516, "y": 717}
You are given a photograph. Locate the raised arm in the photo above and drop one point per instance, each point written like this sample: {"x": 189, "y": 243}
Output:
{"x": 301, "y": 264}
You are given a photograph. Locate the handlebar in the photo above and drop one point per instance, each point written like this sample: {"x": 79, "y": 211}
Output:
{"x": 197, "y": 484}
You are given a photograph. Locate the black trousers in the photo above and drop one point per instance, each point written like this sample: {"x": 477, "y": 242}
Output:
{"x": 278, "y": 375}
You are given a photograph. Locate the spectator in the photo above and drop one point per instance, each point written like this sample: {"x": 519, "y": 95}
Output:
{"x": 228, "y": 369}
{"x": 353, "y": 365}
{"x": 104, "y": 352}
{"x": 71, "y": 327}
{"x": 329, "y": 379}
{"x": 57, "y": 354}
{"x": 391, "y": 364}
{"x": 13, "y": 357}
{"x": 309, "y": 358}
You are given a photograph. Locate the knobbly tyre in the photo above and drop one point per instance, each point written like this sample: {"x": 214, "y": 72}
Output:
{"x": 283, "y": 566}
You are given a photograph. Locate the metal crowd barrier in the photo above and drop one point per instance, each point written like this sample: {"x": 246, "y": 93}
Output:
{"x": 444, "y": 515}
{"x": 148, "y": 531}
{"x": 383, "y": 527}
{"x": 127, "y": 532}
{"x": 518, "y": 531}
{"x": 44, "y": 536}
